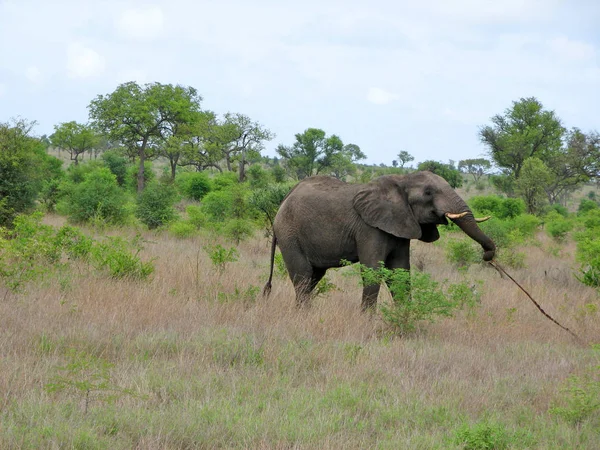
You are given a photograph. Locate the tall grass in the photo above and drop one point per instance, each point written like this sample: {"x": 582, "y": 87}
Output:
{"x": 203, "y": 367}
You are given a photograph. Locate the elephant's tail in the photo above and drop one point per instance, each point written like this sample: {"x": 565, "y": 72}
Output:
{"x": 267, "y": 288}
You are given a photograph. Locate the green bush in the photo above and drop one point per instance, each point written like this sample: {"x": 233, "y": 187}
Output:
{"x": 182, "y": 230}
{"x": 24, "y": 169}
{"x": 526, "y": 224}
{"x": 511, "y": 208}
{"x": 226, "y": 203}
{"x": 558, "y": 226}
{"x": 257, "y": 176}
{"x": 78, "y": 173}
{"x": 560, "y": 209}
{"x": 193, "y": 185}
{"x": 196, "y": 216}
{"x": 117, "y": 164}
{"x": 462, "y": 253}
{"x": 268, "y": 199}
{"x": 486, "y": 204}
{"x": 154, "y": 205}
{"x": 482, "y": 436}
{"x": 279, "y": 174}
{"x": 132, "y": 175}
{"x": 586, "y": 205}
{"x": 98, "y": 197}
{"x": 115, "y": 257}
{"x": 590, "y": 219}
{"x": 224, "y": 180}
{"x": 238, "y": 230}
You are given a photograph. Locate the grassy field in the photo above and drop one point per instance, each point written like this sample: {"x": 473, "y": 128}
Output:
{"x": 197, "y": 359}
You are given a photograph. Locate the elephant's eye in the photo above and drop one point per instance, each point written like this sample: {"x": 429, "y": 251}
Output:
{"x": 428, "y": 192}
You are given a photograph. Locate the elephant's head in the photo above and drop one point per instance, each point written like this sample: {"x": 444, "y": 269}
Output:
{"x": 411, "y": 206}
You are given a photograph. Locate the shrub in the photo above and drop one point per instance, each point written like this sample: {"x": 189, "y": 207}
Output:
{"x": 462, "y": 253}
{"x": 557, "y": 226}
{"x": 482, "y": 436}
{"x": 182, "y": 230}
{"x": 526, "y": 224}
{"x": 117, "y": 164}
{"x": 78, "y": 173}
{"x": 220, "y": 256}
{"x": 193, "y": 185}
{"x": 226, "y": 203}
{"x": 268, "y": 199}
{"x": 132, "y": 175}
{"x": 560, "y": 209}
{"x": 196, "y": 216}
{"x": 154, "y": 205}
{"x": 581, "y": 398}
{"x": 97, "y": 197}
{"x": 486, "y": 204}
{"x": 224, "y": 180}
{"x": 586, "y": 205}
{"x": 114, "y": 256}
{"x": 257, "y": 176}
{"x": 510, "y": 208}
{"x": 238, "y": 230}
{"x": 279, "y": 174}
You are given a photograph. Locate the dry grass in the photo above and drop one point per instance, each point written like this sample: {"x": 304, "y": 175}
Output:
{"x": 210, "y": 368}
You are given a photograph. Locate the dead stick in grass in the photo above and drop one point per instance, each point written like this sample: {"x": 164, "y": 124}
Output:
{"x": 501, "y": 270}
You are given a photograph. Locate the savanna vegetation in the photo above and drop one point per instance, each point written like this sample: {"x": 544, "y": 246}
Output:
{"x": 133, "y": 250}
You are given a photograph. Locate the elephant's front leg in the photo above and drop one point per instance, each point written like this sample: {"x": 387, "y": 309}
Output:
{"x": 400, "y": 259}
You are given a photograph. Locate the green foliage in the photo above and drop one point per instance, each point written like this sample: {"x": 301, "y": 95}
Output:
{"x": 24, "y": 169}
{"x": 220, "y": 256}
{"x": 531, "y": 185}
{"x": 246, "y": 296}
{"x": 446, "y": 171}
{"x": 257, "y": 176}
{"x": 581, "y": 398}
{"x": 482, "y": 436}
{"x": 132, "y": 175}
{"x": 560, "y": 209}
{"x": 415, "y": 297}
{"x": 476, "y": 167}
{"x": 268, "y": 199}
{"x": 78, "y": 173}
{"x": 114, "y": 255}
{"x": 226, "y": 203}
{"x": 196, "y": 216}
{"x": 193, "y": 185}
{"x": 117, "y": 164}
{"x": 511, "y": 208}
{"x": 558, "y": 226}
{"x": 504, "y": 183}
{"x": 224, "y": 180}
{"x": 586, "y": 205}
{"x": 182, "y": 230}
{"x": 462, "y": 253}
{"x": 154, "y": 205}
{"x": 404, "y": 157}
{"x": 238, "y": 230}
{"x": 97, "y": 197}
{"x": 89, "y": 376}
{"x": 75, "y": 138}
{"x": 486, "y": 204}
{"x": 279, "y": 174}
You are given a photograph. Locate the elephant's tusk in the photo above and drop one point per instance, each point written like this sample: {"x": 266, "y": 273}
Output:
{"x": 482, "y": 219}
{"x": 454, "y": 216}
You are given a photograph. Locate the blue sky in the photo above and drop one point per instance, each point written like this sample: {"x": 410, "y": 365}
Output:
{"x": 420, "y": 76}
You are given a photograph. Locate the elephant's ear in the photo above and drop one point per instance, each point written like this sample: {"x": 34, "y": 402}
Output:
{"x": 385, "y": 208}
{"x": 429, "y": 233}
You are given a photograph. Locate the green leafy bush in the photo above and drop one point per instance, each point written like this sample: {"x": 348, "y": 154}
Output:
{"x": 279, "y": 174}
{"x": 154, "y": 205}
{"x": 238, "y": 230}
{"x": 580, "y": 398}
{"x": 115, "y": 256}
{"x": 560, "y": 209}
{"x": 486, "y": 204}
{"x": 224, "y": 180}
{"x": 117, "y": 164}
{"x": 193, "y": 185}
{"x": 558, "y": 226}
{"x": 511, "y": 208}
{"x": 221, "y": 256}
{"x": 97, "y": 197}
{"x": 132, "y": 175}
{"x": 462, "y": 253}
{"x": 182, "y": 230}
{"x": 482, "y": 436}
{"x": 267, "y": 200}
{"x": 586, "y": 205}
{"x": 257, "y": 176}
{"x": 226, "y": 203}
{"x": 196, "y": 216}
{"x": 78, "y": 173}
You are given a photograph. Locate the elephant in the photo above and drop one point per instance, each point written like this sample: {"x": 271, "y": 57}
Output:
{"x": 323, "y": 221}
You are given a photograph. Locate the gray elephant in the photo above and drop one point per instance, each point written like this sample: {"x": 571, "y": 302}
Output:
{"x": 324, "y": 220}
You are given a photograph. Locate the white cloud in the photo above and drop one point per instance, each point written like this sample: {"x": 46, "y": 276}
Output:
{"x": 83, "y": 62}
{"x": 146, "y": 23}
{"x": 380, "y": 96}
{"x": 33, "y": 74}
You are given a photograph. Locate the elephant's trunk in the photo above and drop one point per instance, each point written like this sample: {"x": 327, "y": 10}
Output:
{"x": 468, "y": 224}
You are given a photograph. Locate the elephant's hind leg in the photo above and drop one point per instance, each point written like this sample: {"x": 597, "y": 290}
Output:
{"x": 305, "y": 284}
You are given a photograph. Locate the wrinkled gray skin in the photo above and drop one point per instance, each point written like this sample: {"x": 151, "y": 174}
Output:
{"x": 324, "y": 220}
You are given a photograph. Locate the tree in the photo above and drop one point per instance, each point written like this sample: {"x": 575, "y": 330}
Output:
{"x": 75, "y": 138}
{"x": 446, "y": 171}
{"x": 532, "y": 184}
{"x": 314, "y": 153}
{"x": 200, "y": 142}
{"x": 526, "y": 130}
{"x": 24, "y": 168}
{"x": 476, "y": 167}
{"x": 244, "y": 139}
{"x": 395, "y": 163}
{"x": 404, "y": 157}
{"x": 141, "y": 117}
